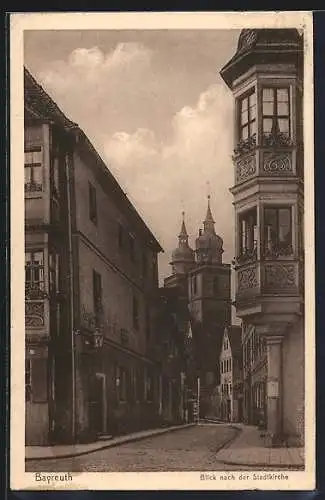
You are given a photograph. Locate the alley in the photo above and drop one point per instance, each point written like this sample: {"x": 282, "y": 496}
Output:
{"x": 194, "y": 448}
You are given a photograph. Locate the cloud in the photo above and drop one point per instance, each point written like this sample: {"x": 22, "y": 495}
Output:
{"x": 100, "y": 89}
{"x": 159, "y": 177}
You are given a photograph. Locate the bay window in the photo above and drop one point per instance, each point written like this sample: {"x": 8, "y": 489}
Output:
{"x": 33, "y": 169}
{"x": 276, "y": 111}
{"x": 247, "y": 116}
{"x": 277, "y": 231}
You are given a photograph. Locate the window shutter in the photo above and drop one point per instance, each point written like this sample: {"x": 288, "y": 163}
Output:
{"x": 39, "y": 380}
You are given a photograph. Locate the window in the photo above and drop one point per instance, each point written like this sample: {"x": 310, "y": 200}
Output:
{"x": 148, "y": 326}
{"x": 230, "y": 363}
{"x": 276, "y": 111}
{"x": 247, "y": 116}
{"x": 132, "y": 247}
{"x": 144, "y": 265}
{"x": 92, "y": 203}
{"x": 194, "y": 282}
{"x": 97, "y": 292}
{"x": 54, "y": 271}
{"x": 28, "y": 380}
{"x": 33, "y": 170}
{"x": 55, "y": 177}
{"x": 277, "y": 231}
{"x": 34, "y": 272}
{"x": 135, "y": 313}
{"x": 149, "y": 385}
{"x": 121, "y": 383}
{"x": 248, "y": 233}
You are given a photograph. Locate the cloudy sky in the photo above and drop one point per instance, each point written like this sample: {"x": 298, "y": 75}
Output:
{"x": 154, "y": 106}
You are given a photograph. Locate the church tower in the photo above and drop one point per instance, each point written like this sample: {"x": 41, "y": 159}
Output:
{"x": 209, "y": 297}
{"x": 183, "y": 260}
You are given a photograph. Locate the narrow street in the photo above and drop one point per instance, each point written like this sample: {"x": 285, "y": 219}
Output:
{"x": 189, "y": 449}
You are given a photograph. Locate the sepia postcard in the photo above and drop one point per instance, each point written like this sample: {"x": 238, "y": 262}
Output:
{"x": 162, "y": 251}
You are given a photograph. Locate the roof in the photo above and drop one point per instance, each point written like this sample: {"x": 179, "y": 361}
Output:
{"x": 234, "y": 336}
{"x": 39, "y": 105}
{"x": 258, "y": 46}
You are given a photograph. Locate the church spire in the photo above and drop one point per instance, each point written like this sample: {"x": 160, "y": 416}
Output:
{"x": 183, "y": 236}
{"x": 209, "y": 222}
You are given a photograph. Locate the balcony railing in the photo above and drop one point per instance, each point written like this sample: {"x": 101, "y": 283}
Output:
{"x": 245, "y": 146}
{"x": 248, "y": 255}
{"x": 275, "y": 140}
{"x": 34, "y": 290}
{"x": 278, "y": 251}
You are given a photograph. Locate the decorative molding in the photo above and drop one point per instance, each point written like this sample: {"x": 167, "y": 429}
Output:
{"x": 245, "y": 168}
{"x": 280, "y": 275}
{"x": 247, "y": 279}
{"x": 34, "y": 314}
{"x": 247, "y": 38}
{"x": 277, "y": 164}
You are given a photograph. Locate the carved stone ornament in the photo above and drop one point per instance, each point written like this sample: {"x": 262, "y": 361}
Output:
{"x": 247, "y": 278}
{"x": 280, "y": 275}
{"x": 277, "y": 163}
{"x": 245, "y": 168}
{"x": 34, "y": 314}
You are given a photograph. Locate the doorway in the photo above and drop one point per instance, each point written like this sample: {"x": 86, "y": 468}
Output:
{"x": 97, "y": 404}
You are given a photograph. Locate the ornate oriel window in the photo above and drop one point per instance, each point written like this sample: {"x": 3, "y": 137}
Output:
{"x": 247, "y": 116}
{"x": 33, "y": 169}
{"x": 277, "y": 231}
{"x": 34, "y": 273}
{"x": 276, "y": 111}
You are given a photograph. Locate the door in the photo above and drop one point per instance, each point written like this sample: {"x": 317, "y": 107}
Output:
{"x": 97, "y": 404}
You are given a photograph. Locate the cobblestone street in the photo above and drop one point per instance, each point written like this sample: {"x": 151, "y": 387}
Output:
{"x": 189, "y": 449}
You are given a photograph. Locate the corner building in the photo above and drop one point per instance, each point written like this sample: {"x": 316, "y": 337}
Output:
{"x": 266, "y": 78}
{"x": 91, "y": 289}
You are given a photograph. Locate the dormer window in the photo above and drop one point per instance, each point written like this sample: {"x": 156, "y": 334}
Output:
{"x": 247, "y": 116}
{"x": 276, "y": 111}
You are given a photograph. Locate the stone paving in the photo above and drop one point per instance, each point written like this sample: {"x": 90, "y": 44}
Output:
{"x": 191, "y": 449}
{"x": 204, "y": 447}
{"x": 74, "y": 450}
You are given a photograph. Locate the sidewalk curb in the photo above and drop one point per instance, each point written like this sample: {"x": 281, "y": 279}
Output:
{"x": 230, "y": 440}
{"x": 111, "y": 444}
{"x": 265, "y": 465}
